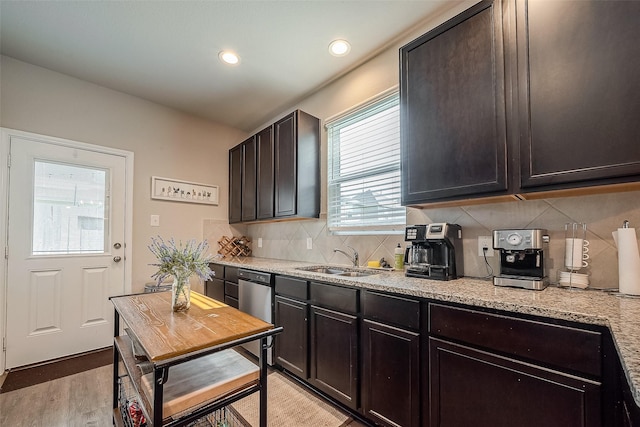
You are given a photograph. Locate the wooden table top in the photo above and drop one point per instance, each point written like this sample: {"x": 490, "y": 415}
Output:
{"x": 165, "y": 334}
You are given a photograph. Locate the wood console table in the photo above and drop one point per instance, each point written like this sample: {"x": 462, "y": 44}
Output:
{"x": 178, "y": 342}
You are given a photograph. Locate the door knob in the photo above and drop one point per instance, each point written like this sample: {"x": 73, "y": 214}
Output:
{"x": 117, "y": 258}
{"x": 117, "y": 245}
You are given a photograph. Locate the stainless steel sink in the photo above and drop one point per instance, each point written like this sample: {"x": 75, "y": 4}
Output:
{"x": 357, "y": 273}
{"x": 339, "y": 271}
{"x": 324, "y": 270}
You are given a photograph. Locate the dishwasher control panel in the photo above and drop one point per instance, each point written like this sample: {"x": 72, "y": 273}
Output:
{"x": 255, "y": 276}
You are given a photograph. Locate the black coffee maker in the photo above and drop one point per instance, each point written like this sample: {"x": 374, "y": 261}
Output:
{"x": 522, "y": 258}
{"x": 435, "y": 251}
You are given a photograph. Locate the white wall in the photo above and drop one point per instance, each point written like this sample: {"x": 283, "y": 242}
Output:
{"x": 165, "y": 142}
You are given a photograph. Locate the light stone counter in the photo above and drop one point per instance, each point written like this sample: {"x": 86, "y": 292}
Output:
{"x": 620, "y": 314}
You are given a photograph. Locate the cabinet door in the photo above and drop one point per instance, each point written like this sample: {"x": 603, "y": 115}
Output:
{"x": 579, "y": 94}
{"x": 235, "y": 184}
{"x": 453, "y": 119}
{"x": 265, "y": 180}
{"x": 334, "y": 354}
{"x": 291, "y": 349}
{"x": 469, "y": 387}
{"x": 285, "y": 166}
{"x": 214, "y": 288}
{"x": 628, "y": 412}
{"x": 390, "y": 374}
{"x": 249, "y": 179}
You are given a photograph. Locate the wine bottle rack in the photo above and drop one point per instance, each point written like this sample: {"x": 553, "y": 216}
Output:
{"x": 234, "y": 246}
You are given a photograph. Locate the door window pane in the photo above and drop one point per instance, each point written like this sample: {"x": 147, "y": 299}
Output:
{"x": 69, "y": 209}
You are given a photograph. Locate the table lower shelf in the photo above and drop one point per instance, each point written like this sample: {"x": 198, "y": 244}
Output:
{"x": 202, "y": 381}
{"x": 192, "y": 386}
{"x": 124, "y": 416}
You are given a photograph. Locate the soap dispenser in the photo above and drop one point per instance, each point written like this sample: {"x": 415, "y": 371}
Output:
{"x": 398, "y": 258}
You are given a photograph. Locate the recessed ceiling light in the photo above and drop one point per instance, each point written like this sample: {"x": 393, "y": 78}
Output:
{"x": 229, "y": 57}
{"x": 339, "y": 47}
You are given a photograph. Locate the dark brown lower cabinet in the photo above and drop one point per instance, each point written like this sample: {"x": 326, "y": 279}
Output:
{"x": 470, "y": 387}
{"x": 390, "y": 374}
{"x": 291, "y": 347}
{"x": 398, "y": 361}
{"x": 231, "y": 294}
{"x": 214, "y": 288}
{"x": 231, "y": 286}
{"x": 334, "y": 354}
{"x": 629, "y": 414}
{"x": 231, "y": 301}
{"x": 629, "y": 411}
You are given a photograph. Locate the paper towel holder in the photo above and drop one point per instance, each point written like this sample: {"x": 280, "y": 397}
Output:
{"x": 628, "y": 260}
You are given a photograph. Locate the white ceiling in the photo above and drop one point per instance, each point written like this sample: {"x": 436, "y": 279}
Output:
{"x": 167, "y": 51}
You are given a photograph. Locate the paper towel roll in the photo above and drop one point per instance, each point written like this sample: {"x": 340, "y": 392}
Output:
{"x": 628, "y": 261}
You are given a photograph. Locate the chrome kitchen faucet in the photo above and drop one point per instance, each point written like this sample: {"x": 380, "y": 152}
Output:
{"x": 355, "y": 259}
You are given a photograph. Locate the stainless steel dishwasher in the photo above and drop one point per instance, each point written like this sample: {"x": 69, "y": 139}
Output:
{"x": 255, "y": 297}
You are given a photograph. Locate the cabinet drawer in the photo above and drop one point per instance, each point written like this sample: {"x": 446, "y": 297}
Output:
{"x": 231, "y": 301}
{"x": 391, "y": 309}
{"x": 231, "y": 274}
{"x": 336, "y": 297}
{"x": 218, "y": 271}
{"x": 231, "y": 289}
{"x": 560, "y": 346}
{"x": 295, "y": 288}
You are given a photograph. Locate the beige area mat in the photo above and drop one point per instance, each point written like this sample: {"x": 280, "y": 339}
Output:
{"x": 290, "y": 405}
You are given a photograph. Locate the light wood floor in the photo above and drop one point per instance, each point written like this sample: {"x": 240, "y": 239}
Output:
{"x": 82, "y": 399}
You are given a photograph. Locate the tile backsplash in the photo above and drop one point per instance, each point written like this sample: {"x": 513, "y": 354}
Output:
{"x": 602, "y": 213}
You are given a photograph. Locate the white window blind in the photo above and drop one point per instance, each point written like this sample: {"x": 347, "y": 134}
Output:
{"x": 364, "y": 169}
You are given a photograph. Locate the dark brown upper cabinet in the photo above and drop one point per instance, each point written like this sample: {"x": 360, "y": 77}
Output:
{"x": 297, "y": 166}
{"x": 579, "y": 92}
{"x": 249, "y": 179}
{"x": 517, "y": 97}
{"x": 280, "y": 172}
{"x": 452, "y": 101}
{"x": 235, "y": 184}
{"x": 265, "y": 184}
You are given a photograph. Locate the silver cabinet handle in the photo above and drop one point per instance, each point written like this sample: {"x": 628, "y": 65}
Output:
{"x": 117, "y": 258}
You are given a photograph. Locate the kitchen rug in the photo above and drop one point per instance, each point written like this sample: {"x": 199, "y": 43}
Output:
{"x": 290, "y": 404}
{"x": 25, "y": 377}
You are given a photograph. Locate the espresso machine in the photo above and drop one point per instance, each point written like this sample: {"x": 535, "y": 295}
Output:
{"x": 522, "y": 258}
{"x": 435, "y": 251}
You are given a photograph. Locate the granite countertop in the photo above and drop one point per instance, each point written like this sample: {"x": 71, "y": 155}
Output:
{"x": 621, "y": 314}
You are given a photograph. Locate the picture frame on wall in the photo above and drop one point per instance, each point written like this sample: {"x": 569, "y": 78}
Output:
{"x": 175, "y": 190}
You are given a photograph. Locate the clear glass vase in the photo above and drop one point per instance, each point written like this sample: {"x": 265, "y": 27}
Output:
{"x": 180, "y": 294}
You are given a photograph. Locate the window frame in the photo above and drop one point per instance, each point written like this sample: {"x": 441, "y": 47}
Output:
{"x": 353, "y": 115}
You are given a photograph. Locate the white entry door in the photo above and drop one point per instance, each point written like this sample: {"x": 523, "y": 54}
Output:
{"x": 66, "y": 249}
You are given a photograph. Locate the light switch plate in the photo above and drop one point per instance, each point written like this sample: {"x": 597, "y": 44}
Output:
{"x": 309, "y": 243}
{"x": 259, "y": 242}
{"x": 155, "y": 220}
